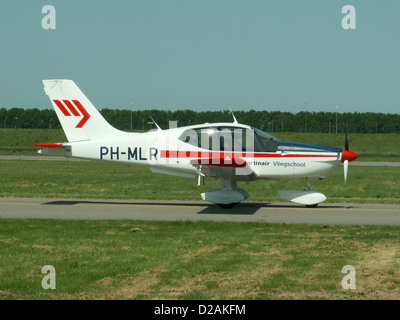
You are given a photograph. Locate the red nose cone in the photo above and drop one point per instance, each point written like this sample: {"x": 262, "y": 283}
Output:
{"x": 349, "y": 155}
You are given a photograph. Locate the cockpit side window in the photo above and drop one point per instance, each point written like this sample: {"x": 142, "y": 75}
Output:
{"x": 230, "y": 139}
{"x": 216, "y": 138}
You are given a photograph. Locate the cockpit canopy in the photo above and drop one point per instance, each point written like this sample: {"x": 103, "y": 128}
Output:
{"x": 230, "y": 139}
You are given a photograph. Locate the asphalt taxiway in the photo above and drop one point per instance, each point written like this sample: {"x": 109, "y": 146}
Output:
{"x": 279, "y": 212}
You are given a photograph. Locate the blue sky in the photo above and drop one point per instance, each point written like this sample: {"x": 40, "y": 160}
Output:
{"x": 205, "y": 54}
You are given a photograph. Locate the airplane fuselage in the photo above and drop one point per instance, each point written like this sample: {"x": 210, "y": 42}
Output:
{"x": 163, "y": 150}
{"x": 230, "y": 152}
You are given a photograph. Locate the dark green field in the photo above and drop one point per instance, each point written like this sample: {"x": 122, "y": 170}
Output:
{"x": 71, "y": 179}
{"x": 193, "y": 260}
{"x": 370, "y": 147}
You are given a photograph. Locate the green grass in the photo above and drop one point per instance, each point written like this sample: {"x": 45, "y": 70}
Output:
{"x": 196, "y": 260}
{"x": 370, "y": 147}
{"x": 18, "y": 141}
{"x": 193, "y": 260}
{"x": 70, "y": 179}
{"x": 104, "y": 180}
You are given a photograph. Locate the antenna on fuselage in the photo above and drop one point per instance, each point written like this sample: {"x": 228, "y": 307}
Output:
{"x": 234, "y": 119}
{"x": 158, "y": 127}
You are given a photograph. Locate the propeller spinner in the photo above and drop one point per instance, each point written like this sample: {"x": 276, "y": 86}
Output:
{"x": 347, "y": 156}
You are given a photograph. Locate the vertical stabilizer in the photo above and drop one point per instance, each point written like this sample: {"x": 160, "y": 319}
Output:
{"x": 78, "y": 117}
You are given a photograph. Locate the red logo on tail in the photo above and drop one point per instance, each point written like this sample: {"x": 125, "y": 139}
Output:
{"x": 68, "y": 107}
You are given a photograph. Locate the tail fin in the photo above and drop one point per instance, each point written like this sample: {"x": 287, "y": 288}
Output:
{"x": 78, "y": 117}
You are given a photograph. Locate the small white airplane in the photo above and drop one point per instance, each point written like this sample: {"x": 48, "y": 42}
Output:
{"x": 229, "y": 151}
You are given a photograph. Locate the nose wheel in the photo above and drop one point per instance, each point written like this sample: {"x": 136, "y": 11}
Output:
{"x": 306, "y": 197}
{"x": 308, "y": 186}
{"x": 309, "y": 189}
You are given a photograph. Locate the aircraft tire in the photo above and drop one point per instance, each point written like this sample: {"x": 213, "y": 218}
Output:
{"x": 228, "y": 205}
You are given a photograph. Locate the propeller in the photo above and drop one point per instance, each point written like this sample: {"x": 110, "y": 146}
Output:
{"x": 346, "y": 162}
{"x": 346, "y": 169}
{"x": 347, "y": 156}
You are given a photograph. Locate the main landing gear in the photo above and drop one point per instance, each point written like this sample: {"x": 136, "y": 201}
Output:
{"x": 228, "y": 196}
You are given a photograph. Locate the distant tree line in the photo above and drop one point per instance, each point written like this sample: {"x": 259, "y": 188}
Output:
{"x": 270, "y": 121}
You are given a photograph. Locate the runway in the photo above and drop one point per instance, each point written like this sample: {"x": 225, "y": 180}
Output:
{"x": 279, "y": 212}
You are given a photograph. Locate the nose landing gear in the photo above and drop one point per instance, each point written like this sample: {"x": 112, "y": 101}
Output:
{"x": 306, "y": 197}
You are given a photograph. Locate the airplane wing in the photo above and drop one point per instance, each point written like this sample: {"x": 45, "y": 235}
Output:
{"x": 220, "y": 162}
{"x": 236, "y": 168}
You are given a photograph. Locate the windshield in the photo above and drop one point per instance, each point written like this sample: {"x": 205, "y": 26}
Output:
{"x": 264, "y": 142}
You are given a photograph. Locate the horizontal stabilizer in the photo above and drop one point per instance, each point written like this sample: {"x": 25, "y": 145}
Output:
{"x": 54, "y": 149}
{"x": 48, "y": 145}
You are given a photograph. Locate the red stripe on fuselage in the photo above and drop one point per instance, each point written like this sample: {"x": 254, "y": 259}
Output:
{"x": 214, "y": 154}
